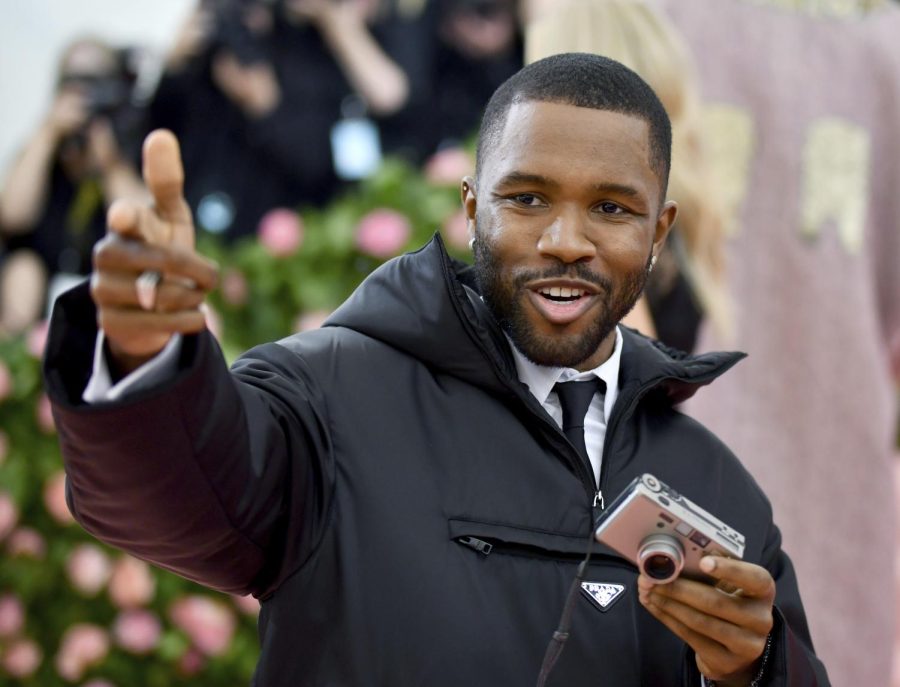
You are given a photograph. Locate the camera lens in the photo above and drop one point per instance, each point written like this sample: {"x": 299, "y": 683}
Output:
{"x": 659, "y": 567}
{"x": 660, "y": 557}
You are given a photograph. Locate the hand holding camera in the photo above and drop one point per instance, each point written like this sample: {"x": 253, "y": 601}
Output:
{"x": 691, "y": 579}
{"x": 728, "y": 632}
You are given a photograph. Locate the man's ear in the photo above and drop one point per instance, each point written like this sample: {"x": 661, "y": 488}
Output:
{"x": 468, "y": 196}
{"x": 664, "y": 223}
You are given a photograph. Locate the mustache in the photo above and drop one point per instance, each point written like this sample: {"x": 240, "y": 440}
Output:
{"x": 576, "y": 270}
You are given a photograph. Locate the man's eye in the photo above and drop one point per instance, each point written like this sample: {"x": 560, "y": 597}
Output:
{"x": 610, "y": 208}
{"x": 528, "y": 199}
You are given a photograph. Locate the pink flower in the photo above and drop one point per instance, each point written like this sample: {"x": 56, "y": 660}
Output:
{"x": 246, "y": 604}
{"x": 26, "y": 542}
{"x": 12, "y": 616}
{"x": 37, "y": 338}
{"x": 98, "y": 683}
{"x": 280, "y": 232}
{"x": 132, "y": 584}
{"x": 191, "y": 662}
{"x": 208, "y": 623}
{"x": 44, "y": 415}
{"x": 9, "y": 514}
{"x": 82, "y": 646}
{"x": 447, "y": 167}
{"x": 88, "y": 569}
{"x": 234, "y": 287}
{"x": 137, "y": 631}
{"x": 456, "y": 230}
{"x": 4, "y": 446}
{"x": 6, "y": 382}
{"x": 382, "y": 233}
{"x": 55, "y": 498}
{"x": 21, "y": 658}
{"x": 311, "y": 320}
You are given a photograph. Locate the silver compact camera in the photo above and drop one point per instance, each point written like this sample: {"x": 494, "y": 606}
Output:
{"x": 663, "y": 532}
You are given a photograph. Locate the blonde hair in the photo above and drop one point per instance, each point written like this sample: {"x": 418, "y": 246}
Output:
{"x": 826, "y": 8}
{"x": 630, "y": 32}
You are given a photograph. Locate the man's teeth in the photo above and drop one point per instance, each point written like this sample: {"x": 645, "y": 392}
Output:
{"x": 561, "y": 292}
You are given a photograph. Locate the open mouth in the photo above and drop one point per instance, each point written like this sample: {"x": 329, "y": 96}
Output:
{"x": 559, "y": 294}
{"x": 561, "y": 304}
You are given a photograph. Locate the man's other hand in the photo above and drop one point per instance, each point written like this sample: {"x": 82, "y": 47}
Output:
{"x": 155, "y": 238}
{"x": 728, "y": 632}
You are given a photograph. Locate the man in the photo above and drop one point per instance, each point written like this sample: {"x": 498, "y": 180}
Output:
{"x": 395, "y": 487}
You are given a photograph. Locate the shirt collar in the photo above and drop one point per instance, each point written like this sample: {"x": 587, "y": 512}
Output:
{"x": 540, "y": 379}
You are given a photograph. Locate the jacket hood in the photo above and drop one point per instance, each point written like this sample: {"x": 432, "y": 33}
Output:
{"x": 426, "y": 304}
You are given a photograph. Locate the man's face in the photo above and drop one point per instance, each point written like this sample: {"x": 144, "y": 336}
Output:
{"x": 566, "y": 216}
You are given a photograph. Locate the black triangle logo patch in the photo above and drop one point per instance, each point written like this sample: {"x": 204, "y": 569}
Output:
{"x": 603, "y": 594}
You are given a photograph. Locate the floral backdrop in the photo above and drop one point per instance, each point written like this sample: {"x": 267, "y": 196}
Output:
{"x": 75, "y": 612}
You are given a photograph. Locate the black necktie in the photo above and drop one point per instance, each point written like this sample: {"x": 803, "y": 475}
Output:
{"x": 575, "y": 398}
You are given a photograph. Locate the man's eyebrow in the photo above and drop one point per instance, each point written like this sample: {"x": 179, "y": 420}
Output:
{"x": 514, "y": 178}
{"x": 618, "y": 189}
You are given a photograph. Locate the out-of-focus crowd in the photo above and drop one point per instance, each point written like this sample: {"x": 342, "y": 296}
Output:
{"x": 277, "y": 103}
{"x": 786, "y": 168}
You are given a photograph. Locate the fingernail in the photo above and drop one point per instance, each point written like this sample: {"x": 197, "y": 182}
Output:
{"x": 708, "y": 564}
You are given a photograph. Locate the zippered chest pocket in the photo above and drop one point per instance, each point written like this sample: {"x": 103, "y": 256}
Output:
{"x": 491, "y": 539}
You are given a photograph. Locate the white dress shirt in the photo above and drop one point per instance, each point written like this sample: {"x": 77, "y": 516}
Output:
{"x": 540, "y": 380}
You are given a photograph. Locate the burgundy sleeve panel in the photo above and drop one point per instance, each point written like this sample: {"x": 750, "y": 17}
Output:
{"x": 136, "y": 482}
{"x": 174, "y": 475}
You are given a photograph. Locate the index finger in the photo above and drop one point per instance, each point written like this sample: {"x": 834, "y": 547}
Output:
{"x": 753, "y": 580}
{"x": 164, "y": 175}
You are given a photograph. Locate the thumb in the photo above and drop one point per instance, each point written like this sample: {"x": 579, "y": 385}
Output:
{"x": 164, "y": 176}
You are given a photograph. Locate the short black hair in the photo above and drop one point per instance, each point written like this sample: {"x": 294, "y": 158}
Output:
{"x": 582, "y": 80}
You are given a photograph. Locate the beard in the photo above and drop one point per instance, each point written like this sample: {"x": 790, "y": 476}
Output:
{"x": 504, "y": 293}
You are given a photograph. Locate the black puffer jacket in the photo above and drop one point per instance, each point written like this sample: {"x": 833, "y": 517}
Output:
{"x": 338, "y": 473}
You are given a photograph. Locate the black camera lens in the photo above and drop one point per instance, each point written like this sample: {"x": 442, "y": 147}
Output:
{"x": 659, "y": 567}
{"x": 660, "y": 557}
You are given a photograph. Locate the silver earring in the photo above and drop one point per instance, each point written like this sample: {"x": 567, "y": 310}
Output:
{"x": 652, "y": 264}
{"x": 471, "y": 243}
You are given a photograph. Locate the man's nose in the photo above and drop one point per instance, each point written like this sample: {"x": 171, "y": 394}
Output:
{"x": 567, "y": 239}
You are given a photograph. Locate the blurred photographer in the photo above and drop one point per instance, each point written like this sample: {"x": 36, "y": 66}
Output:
{"x": 272, "y": 100}
{"x": 479, "y": 46}
{"x": 54, "y": 198}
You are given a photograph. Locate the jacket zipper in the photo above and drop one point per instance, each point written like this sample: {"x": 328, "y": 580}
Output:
{"x": 479, "y": 545}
